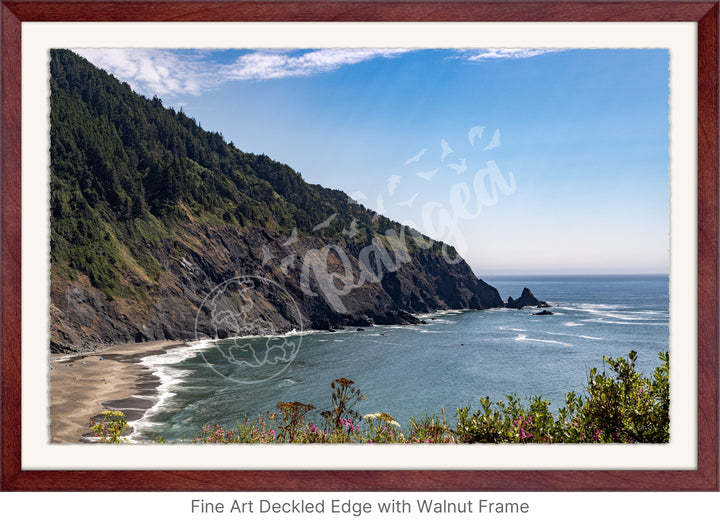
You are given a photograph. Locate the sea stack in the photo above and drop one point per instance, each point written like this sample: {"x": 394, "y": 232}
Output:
{"x": 526, "y": 299}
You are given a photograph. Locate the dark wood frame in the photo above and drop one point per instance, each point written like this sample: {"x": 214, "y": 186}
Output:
{"x": 704, "y": 13}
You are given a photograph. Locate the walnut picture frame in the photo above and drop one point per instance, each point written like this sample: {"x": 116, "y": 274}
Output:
{"x": 13, "y": 475}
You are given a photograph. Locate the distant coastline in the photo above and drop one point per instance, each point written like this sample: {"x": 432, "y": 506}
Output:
{"x": 572, "y": 276}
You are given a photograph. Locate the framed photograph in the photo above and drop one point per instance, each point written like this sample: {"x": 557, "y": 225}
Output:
{"x": 359, "y": 246}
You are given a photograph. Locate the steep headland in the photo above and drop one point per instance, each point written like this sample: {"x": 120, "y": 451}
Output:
{"x": 150, "y": 213}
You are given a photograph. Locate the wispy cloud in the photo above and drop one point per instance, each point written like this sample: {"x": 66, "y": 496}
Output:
{"x": 179, "y": 72}
{"x": 263, "y": 65}
{"x": 157, "y": 71}
{"x": 505, "y": 53}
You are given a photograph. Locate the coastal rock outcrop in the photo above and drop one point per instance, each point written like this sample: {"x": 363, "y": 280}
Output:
{"x": 544, "y": 312}
{"x": 83, "y": 317}
{"x": 151, "y": 214}
{"x": 526, "y": 299}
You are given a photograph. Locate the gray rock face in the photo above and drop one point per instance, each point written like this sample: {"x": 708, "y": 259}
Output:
{"x": 162, "y": 230}
{"x": 306, "y": 286}
{"x": 526, "y": 299}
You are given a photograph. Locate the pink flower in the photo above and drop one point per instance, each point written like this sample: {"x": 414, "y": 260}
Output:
{"x": 523, "y": 434}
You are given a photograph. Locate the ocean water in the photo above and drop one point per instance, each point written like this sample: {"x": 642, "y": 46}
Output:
{"x": 454, "y": 360}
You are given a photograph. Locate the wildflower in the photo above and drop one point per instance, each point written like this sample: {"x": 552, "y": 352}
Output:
{"x": 523, "y": 434}
{"x": 385, "y": 417}
{"x": 344, "y": 382}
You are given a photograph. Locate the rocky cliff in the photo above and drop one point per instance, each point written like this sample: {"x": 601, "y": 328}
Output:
{"x": 294, "y": 293}
{"x": 161, "y": 230}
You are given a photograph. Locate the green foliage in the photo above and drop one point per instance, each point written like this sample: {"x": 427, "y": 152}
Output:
{"x": 127, "y": 174}
{"x": 293, "y": 415}
{"x": 627, "y": 407}
{"x": 382, "y": 428}
{"x": 620, "y": 407}
{"x": 109, "y": 428}
{"x": 623, "y": 407}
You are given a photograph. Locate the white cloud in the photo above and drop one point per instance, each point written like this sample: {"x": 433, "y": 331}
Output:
{"x": 165, "y": 72}
{"x": 506, "y": 53}
{"x": 263, "y": 65}
{"x": 155, "y": 71}
{"x": 178, "y": 72}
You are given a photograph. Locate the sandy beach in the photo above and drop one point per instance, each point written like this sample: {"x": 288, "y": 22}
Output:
{"x": 82, "y": 386}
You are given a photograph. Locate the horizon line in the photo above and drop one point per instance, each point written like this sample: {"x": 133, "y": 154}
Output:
{"x": 580, "y": 274}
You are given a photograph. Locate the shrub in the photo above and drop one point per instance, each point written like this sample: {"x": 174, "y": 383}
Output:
{"x": 110, "y": 427}
{"x": 620, "y": 406}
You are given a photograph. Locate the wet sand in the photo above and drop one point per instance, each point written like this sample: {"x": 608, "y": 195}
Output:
{"x": 82, "y": 386}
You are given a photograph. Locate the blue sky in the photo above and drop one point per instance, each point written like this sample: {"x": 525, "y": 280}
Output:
{"x": 527, "y": 161}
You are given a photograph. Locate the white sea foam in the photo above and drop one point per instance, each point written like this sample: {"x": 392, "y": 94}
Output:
{"x": 388, "y": 343}
{"x": 524, "y": 337}
{"x": 595, "y": 306}
{"x": 603, "y": 321}
{"x": 609, "y": 311}
{"x": 443, "y": 312}
{"x": 170, "y": 378}
{"x": 443, "y": 322}
{"x": 575, "y": 335}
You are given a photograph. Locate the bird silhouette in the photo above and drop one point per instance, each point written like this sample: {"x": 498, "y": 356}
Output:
{"x": 458, "y": 167}
{"x": 352, "y": 231}
{"x": 355, "y": 196}
{"x": 445, "y": 149}
{"x": 380, "y": 205}
{"x": 293, "y": 238}
{"x": 267, "y": 255}
{"x": 393, "y": 182}
{"x": 427, "y": 175}
{"x": 416, "y": 157}
{"x": 494, "y": 142}
{"x": 287, "y": 263}
{"x": 326, "y": 223}
{"x": 408, "y": 203}
{"x": 475, "y": 132}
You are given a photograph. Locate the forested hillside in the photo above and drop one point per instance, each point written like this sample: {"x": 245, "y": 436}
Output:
{"x": 149, "y": 212}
